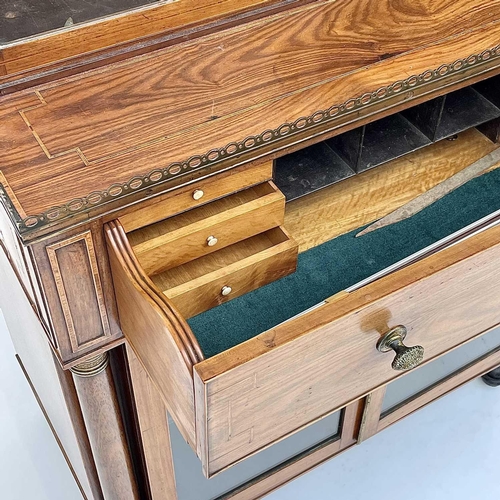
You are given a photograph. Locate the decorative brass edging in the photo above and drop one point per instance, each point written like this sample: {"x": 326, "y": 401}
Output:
{"x": 92, "y": 366}
{"x": 251, "y": 143}
{"x": 10, "y": 208}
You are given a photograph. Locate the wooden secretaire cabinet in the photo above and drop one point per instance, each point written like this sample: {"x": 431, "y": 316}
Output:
{"x": 184, "y": 190}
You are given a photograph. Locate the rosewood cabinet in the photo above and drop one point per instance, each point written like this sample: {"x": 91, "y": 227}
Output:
{"x": 182, "y": 193}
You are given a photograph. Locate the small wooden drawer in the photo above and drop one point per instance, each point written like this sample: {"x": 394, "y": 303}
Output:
{"x": 209, "y": 228}
{"x": 194, "y": 195}
{"x": 230, "y": 272}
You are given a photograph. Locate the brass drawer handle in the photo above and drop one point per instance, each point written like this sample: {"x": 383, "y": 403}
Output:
{"x": 198, "y": 194}
{"x": 212, "y": 241}
{"x": 406, "y": 357}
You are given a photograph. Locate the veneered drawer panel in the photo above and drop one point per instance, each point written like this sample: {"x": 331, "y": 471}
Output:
{"x": 196, "y": 194}
{"x": 207, "y": 229}
{"x": 230, "y": 272}
{"x": 286, "y": 378}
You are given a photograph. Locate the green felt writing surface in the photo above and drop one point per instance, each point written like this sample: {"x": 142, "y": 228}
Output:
{"x": 340, "y": 263}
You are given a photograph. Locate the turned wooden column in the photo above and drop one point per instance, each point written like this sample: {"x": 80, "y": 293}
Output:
{"x": 99, "y": 404}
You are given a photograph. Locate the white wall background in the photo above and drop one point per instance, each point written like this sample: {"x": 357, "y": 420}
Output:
{"x": 450, "y": 449}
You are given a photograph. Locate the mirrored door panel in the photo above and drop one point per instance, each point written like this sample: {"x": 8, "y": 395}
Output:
{"x": 419, "y": 387}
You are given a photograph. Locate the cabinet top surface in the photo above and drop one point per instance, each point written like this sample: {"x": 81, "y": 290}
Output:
{"x": 89, "y": 143}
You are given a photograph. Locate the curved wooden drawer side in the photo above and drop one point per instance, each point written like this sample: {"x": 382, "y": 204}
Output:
{"x": 261, "y": 391}
{"x": 157, "y": 333}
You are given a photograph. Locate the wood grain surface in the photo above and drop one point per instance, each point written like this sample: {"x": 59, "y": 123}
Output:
{"x": 197, "y": 286}
{"x": 233, "y": 71}
{"x": 139, "y": 23}
{"x": 248, "y": 396}
{"x": 181, "y": 199}
{"x": 155, "y": 433}
{"x": 77, "y": 283}
{"x": 184, "y": 238}
{"x": 371, "y": 414}
{"x": 373, "y": 194}
{"x": 54, "y": 388}
{"x": 156, "y": 332}
{"x": 109, "y": 125}
{"x": 103, "y": 421}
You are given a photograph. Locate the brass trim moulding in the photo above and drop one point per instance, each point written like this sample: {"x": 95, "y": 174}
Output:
{"x": 91, "y": 366}
{"x": 268, "y": 142}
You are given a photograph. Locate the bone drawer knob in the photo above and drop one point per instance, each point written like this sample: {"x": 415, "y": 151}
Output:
{"x": 198, "y": 194}
{"x": 226, "y": 290}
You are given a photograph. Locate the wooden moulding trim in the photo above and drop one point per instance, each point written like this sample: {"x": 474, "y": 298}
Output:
{"x": 86, "y": 237}
{"x": 269, "y": 141}
{"x": 371, "y": 414}
{"x": 180, "y": 330}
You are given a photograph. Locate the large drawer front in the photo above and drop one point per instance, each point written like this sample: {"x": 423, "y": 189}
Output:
{"x": 267, "y": 388}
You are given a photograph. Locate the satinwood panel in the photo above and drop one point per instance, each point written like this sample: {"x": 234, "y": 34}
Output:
{"x": 76, "y": 278}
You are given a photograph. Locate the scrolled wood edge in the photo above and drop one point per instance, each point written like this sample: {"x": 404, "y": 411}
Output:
{"x": 182, "y": 334}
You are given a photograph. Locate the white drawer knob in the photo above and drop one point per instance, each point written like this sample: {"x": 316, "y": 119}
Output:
{"x": 198, "y": 194}
{"x": 226, "y": 290}
{"x": 211, "y": 241}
